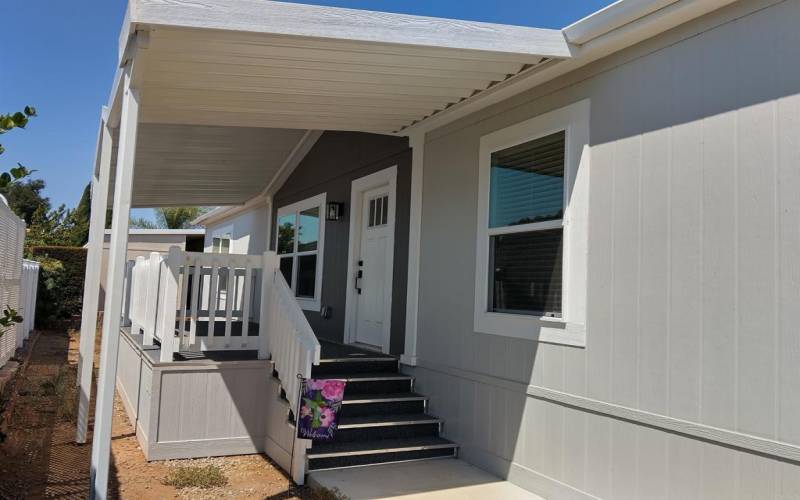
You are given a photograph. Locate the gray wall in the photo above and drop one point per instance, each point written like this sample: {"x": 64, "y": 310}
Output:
{"x": 693, "y": 295}
{"x": 335, "y": 161}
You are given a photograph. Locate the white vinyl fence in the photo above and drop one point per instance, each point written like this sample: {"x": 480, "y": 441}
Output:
{"x": 17, "y": 285}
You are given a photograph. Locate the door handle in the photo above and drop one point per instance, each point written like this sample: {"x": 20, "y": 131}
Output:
{"x": 359, "y": 275}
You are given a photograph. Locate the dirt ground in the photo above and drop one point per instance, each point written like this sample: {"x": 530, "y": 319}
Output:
{"x": 39, "y": 458}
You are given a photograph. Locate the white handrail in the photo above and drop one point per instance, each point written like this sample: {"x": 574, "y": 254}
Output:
{"x": 293, "y": 347}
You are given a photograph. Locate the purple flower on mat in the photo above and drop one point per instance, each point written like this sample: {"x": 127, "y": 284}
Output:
{"x": 333, "y": 390}
{"x": 326, "y": 417}
{"x": 315, "y": 385}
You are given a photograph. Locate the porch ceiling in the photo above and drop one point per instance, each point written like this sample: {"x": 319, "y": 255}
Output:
{"x": 227, "y": 88}
{"x": 185, "y": 165}
{"x": 256, "y": 63}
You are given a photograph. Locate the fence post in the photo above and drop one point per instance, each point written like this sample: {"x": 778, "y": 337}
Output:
{"x": 267, "y": 282}
{"x": 169, "y": 302}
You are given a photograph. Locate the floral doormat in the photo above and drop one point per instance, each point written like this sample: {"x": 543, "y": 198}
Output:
{"x": 320, "y": 402}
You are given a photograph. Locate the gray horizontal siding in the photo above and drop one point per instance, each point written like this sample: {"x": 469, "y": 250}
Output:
{"x": 694, "y": 282}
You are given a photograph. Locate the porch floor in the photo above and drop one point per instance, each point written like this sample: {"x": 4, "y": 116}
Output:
{"x": 154, "y": 352}
{"x": 443, "y": 479}
{"x": 333, "y": 350}
{"x": 329, "y": 350}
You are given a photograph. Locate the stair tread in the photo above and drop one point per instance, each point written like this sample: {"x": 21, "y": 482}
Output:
{"x": 392, "y": 396}
{"x": 402, "y": 418}
{"x": 378, "y": 446}
{"x": 361, "y": 377}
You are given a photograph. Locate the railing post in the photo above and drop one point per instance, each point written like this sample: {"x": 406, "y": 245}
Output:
{"x": 267, "y": 282}
{"x": 149, "y": 319}
{"x": 127, "y": 300}
{"x": 169, "y": 302}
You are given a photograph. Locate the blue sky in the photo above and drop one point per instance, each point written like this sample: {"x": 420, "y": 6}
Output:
{"x": 63, "y": 60}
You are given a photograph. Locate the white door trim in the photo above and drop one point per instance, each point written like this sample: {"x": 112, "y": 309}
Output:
{"x": 383, "y": 177}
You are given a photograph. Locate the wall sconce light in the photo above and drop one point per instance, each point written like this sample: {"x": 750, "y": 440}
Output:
{"x": 335, "y": 210}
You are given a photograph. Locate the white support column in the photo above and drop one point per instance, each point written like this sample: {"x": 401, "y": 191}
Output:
{"x": 126, "y": 156}
{"x": 417, "y": 143}
{"x": 91, "y": 287}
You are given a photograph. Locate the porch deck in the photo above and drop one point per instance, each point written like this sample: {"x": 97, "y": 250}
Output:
{"x": 330, "y": 351}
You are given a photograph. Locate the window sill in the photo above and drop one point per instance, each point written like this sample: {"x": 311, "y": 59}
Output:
{"x": 540, "y": 329}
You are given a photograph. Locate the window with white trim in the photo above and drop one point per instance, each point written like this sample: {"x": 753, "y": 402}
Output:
{"x": 531, "y": 246}
{"x": 221, "y": 243}
{"x": 299, "y": 237}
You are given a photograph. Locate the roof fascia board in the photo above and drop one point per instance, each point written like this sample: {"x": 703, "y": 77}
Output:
{"x": 312, "y": 21}
{"x": 613, "y": 41}
{"x": 296, "y": 156}
{"x": 223, "y": 214}
{"x": 610, "y": 18}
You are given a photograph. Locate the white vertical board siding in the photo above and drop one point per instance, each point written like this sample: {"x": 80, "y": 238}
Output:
{"x": 12, "y": 238}
{"x": 694, "y": 275}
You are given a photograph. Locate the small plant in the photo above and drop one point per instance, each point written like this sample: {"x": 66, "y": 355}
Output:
{"x": 206, "y": 477}
{"x": 9, "y": 318}
{"x": 318, "y": 493}
{"x": 57, "y": 384}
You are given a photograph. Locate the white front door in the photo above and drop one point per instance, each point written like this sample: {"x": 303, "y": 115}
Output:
{"x": 373, "y": 284}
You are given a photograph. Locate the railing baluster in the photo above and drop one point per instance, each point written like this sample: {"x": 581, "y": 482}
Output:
{"x": 246, "y": 291}
{"x": 183, "y": 274}
{"x": 229, "y": 298}
{"x": 196, "y": 301}
{"x": 213, "y": 294}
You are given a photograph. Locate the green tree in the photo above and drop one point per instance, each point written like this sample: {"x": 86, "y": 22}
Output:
{"x": 177, "y": 217}
{"x": 79, "y": 218}
{"x": 142, "y": 223}
{"x": 25, "y": 198}
{"x": 9, "y": 122}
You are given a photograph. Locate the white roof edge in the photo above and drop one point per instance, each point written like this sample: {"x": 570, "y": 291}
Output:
{"x": 320, "y": 22}
{"x": 610, "y": 18}
{"x": 651, "y": 24}
{"x": 221, "y": 214}
{"x": 156, "y": 232}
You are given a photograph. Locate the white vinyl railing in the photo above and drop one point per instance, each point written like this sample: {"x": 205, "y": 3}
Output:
{"x": 292, "y": 343}
{"x": 191, "y": 301}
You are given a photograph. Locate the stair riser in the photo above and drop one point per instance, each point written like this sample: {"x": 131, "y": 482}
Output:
{"x": 386, "y": 432}
{"x": 378, "y": 387}
{"x": 339, "y": 367}
{"x": 393, "y": 408}
{"x": 351, "y": 461}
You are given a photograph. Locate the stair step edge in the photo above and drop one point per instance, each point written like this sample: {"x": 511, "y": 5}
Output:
{"x": 379, "y": 451}
{"x": 390, "y": 423}
{"x": 443, "y": 457}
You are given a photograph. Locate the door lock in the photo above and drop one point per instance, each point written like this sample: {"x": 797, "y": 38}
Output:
{"x": 359, "y": 275}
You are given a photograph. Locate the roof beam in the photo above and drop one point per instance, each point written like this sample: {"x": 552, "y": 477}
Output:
{"x": 300, "y": 20}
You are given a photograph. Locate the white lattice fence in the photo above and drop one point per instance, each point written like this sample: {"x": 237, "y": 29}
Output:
{"x": 12, "y": 237}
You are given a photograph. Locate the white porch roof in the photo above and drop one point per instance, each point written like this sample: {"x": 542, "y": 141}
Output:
{"x": 229, "y": 87}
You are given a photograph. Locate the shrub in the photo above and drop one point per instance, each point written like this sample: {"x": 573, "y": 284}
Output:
{"x": 60, "y": 292}
{"x": 209, "y": 476}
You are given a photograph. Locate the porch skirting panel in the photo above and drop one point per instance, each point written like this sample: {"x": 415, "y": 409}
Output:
{"x": 197, "y": 408}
